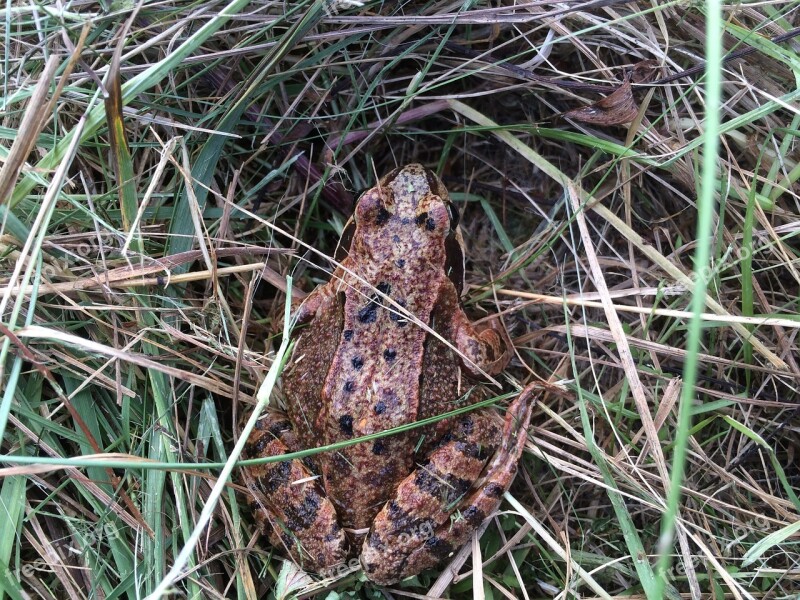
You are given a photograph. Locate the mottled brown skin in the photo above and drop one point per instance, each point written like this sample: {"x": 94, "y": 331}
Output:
{"x": 364, "y": 364}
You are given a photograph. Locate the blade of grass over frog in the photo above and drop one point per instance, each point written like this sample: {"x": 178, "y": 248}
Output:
{"x": 652, "y": 253}
{"x": 553, "y": 544}
{"x": 182, "y": 226}
{"x": 135, "y": 462}
{"x": 705, "y": 207}
{"x": 187, "y": 552}
{"x": 135, "y": 86}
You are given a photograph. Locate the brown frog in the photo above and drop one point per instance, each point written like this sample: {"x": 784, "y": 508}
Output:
{"x": 383, "y": 344}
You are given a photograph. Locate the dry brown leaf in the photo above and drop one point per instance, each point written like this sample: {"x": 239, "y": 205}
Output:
{"x": 615, "y": 109}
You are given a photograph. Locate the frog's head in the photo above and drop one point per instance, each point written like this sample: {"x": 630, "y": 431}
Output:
{"x": 408, "y": 220}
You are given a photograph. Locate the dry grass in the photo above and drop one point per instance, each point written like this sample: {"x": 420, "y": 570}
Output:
{"x": 191, "y": 158}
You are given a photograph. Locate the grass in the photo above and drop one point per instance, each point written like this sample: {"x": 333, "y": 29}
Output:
{"x": 171, "y": 173}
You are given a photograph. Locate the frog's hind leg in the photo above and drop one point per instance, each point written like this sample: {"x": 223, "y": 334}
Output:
{"x": 289, "y": 506}
{"x": 438, "y": 506}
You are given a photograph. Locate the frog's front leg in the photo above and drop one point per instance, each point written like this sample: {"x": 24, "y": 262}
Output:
{"x": 485, "y": 349}
{"x": 290, "y": 507}
{"x": 439, "y": 505}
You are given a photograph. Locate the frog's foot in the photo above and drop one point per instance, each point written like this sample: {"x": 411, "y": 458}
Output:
{"x": 438, "y": 506}
{"x": 289, "y": 505}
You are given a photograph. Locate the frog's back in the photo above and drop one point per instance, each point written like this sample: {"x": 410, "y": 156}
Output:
{"x": 391, "y": 281}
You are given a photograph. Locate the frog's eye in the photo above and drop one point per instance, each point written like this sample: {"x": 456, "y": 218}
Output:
{"x": 452, "y": 212}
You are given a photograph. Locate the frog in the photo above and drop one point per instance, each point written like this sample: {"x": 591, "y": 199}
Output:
{"x": 385, "y": 343}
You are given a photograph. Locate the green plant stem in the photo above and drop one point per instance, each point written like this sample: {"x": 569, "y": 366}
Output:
{"x": 705, "y": 209}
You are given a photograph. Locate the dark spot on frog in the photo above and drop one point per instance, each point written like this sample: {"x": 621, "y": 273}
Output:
{"x": 347, "y": 335}
{"x": 493, "y": 490}
{"x": 349, "y": 386}
{"x": 369, "y": 313}
{"x": 385, "y": 474}
{"x": 421, "y": 218}
{"x": 474, "y": 516}
{"x": 302, "y": 515}
{"x": 400, "y": 262}
{"x": 341, "y": 464}
{"x": 277, "y": 476}
{"x": 438, "y": 547}
{"x": 427, "y": 482}
{"x": 287, "y": 539}
{"x": 394, "y": 510}
{"x": 308, "y": 461}
{"x": 333, "y": 534}
{"x": 396, "y": 238}
{"x": 380, "y": 407}
{"x": 389, "y": 355}
{"x": 398, "y": 317}
{"x": 384, "y": 288}
{"x": 430, "y": 224}
{"x": 379, "y": 447}
{"x": 357, "y": 363}
{"x": 278, "y": 428}
{"x": 439, "y": 484}
{"x": 346, "y": 425}
{"x": 374, "y": 541}
{"x": 471, "y": 450}
{"x": 383, "y": 216}
{"x": 257, "y": 449}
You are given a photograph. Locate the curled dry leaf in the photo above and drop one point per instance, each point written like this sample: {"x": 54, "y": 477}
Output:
{"x": 615, "y": 109}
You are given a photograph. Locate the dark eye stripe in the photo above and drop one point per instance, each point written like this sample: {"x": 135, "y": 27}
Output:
{"x": 452, "y": 211}
{"x": 433, "y": 182}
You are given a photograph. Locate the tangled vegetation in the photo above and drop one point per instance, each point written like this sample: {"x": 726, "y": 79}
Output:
{"x": 629, "y": 199}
